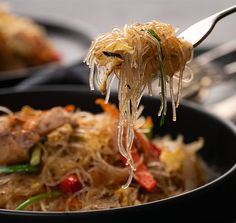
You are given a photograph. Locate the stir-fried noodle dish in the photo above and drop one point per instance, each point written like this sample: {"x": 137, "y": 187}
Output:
{"x": 66, "y": 159}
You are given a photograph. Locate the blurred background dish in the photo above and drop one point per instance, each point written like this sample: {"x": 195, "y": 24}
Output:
{"x": 24, "y": 43}
{"x": 65, "y": 45}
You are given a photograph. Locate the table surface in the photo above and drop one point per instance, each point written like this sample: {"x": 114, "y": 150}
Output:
{"x": 102, "y": 15}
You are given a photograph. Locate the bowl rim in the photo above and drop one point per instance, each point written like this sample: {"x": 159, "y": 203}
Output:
{"x": 75, "y": 88}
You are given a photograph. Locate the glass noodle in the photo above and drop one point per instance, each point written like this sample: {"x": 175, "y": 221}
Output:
{"x": 136, "y": 55}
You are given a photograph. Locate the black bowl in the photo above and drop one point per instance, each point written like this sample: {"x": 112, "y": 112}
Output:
{"x": 215, "y": 200}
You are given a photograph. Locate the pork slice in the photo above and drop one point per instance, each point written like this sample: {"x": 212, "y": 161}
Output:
{"x": 48, "y": 121}
{"x": 4, "y": 124}
{"x": 25, "y": 139}
{"x": 15, "y": 146}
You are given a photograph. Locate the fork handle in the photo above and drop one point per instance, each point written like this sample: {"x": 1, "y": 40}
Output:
{"x": 225, "y": 12}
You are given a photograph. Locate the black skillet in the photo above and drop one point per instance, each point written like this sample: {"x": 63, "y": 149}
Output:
{"x": 214, "y": 201}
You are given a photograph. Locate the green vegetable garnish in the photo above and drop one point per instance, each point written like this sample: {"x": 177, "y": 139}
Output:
{"x": 147, "y": 127}
{"x": 36, "y": 155}
{"x": 110, "y": 54}
{"x": 37, "y": 198}
{"x": 22, "y": 168}
{"x": 152, "y": 33}
{"x": 162, "y": 74}
{"x": 148, "y": 133}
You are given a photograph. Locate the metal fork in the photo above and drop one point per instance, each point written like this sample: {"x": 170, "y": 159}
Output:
{"x": 196, "y": 33}
{"x": 208, "y": 72}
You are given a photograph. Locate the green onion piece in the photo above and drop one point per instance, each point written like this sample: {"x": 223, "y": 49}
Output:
{"x": 152, "y": 33}
{"x": 36, "y": 155}
{"x": 37, "y": 198}
{"x": 23, "y": 168}
{"x": 162, "y": 119}
{"x": 160, "y": 59}
{"x": 148, "y": 133}
{"x": 110, "y": 54}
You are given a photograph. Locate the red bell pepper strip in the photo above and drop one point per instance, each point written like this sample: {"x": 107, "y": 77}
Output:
{"x": 147, "y": 146}
{"x": 70, "y": 108}
{"x": 154, "y": 150}
{"x": 70, "y": 184}
{"x": 141, "y": 175}
{"x": 145, "y": 178}
{"x": 108, "y": 108}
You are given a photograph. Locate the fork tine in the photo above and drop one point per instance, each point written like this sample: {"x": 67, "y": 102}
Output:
{"x": 196, "y": 33}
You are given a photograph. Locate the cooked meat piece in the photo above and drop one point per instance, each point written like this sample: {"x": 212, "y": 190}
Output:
{"x": 25, "y": 139}
{"x": 16, "y": 142}
{"x": 14, "y": 146}
{"x": 4, "y": 124}
{"x": 47, "y": 121}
